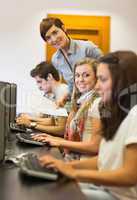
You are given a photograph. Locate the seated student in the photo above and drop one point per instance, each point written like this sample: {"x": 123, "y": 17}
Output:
{"x": 52, "y": 88}
{"x": 113, "y": 173}
{"x": 80, "y": 128}
{"x": 35, "y": 74}
{"x": 48, "y": 79}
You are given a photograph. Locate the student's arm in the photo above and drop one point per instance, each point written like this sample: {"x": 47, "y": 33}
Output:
{"x": 61, "y": 102}
{"x": 68, "y": 168}
{"x": 89, "y": 163}
{"x": 46, "y": 121}
{"x": 57, "y": 129}
{"x": 90, "y": 147}
{"x": 123, "y": 176}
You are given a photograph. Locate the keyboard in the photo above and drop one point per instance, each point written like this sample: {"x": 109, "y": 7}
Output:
{"x": 17, "y": 128}
{"x": 30, "y": 166}
{"x": 27, "y": 138}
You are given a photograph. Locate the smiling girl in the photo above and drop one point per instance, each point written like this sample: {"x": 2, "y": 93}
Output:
{"x": 113, "y": 173}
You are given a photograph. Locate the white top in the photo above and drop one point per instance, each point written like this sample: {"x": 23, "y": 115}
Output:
{"x": 86, "y": 96}
{"x": 93, "y": 110}
{"x": 111, "y": 153}
{"x": 60, "y": 91}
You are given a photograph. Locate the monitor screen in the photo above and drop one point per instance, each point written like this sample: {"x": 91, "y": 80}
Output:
{"x": 7, "y": 113}
{"x": 13, "y": 101}
{"x": 2, "y": 121}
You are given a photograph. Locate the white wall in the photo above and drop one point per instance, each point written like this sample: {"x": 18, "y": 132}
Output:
{"x": 21, "y": 47}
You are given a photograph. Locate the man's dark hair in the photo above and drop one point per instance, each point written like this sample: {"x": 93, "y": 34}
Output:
{"x": 47, "y": 23}
{"x": 43, "y": 69}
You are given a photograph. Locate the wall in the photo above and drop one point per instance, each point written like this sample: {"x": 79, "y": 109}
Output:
{"x": 21, "y": 47}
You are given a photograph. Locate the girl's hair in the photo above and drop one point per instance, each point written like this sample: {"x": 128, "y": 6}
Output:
{"x": 123, "y": 69}
{"x": 76, "y": 94}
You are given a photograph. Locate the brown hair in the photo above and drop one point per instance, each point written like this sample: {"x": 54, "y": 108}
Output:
{"x": 47, "y": 23}
{"x": 43, "y": 69}
{"x": 123, "y": 69}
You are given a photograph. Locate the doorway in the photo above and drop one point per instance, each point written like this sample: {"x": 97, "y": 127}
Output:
{"x": 92, "y": 28}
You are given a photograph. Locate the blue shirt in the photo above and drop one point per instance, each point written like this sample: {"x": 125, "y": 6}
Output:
{"x": 78, "y": 50}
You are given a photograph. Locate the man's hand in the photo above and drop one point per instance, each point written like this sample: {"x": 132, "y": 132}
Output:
{"x": 23, "y": 121}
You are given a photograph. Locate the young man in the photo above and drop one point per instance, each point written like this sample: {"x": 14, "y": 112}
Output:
{"x": 48, "y": 80}
{"x": 69, "y": 51}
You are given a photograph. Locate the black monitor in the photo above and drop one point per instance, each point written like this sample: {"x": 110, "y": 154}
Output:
{"x": 7, "y": 104}
{"x": 2, "y": 121}
{"x": 7, "y": 113}
{"x": 13, "y": 101}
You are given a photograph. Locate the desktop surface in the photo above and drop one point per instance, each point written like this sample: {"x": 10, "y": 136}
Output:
{"x": 14, "y": 185}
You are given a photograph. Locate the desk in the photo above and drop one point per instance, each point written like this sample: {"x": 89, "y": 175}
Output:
{"x": 15, "y": 186}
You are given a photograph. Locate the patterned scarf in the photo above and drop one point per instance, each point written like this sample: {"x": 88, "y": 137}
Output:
{"x": 76, "y": 120}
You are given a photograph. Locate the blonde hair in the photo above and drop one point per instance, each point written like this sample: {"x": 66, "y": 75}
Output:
{"x": 76, "y": 94}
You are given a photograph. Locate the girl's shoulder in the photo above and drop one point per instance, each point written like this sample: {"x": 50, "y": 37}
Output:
{"x": 133, "y": 112}
{"x": 94, "y": 108}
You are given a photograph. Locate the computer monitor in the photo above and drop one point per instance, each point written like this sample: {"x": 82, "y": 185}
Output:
{"x": 13, "y": 101}
{"x": 6, "y": 102}
{"x": 10, "y": 105}
{"x": 7, "y": 113}
{"x": 2, "y": 121}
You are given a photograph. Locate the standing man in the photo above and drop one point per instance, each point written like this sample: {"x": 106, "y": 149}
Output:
{"x": 69, "y": 51}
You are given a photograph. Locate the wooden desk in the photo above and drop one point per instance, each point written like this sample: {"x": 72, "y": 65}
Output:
{"x": 15, "y": 186}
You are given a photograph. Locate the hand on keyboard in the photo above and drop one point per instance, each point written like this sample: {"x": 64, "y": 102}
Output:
{"x": 51, "y": 140}
{"x": 40, "y": 137}
{"x": 27, "y": 138}
{"x": 62, "y": 167}
{"x": 31, "y": 166}
{"x": 17, "y": 128}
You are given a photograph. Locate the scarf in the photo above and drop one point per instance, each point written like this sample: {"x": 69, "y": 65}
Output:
{"x": 76, "y": 120}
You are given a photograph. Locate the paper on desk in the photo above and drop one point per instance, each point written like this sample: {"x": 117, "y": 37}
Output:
{"x": 37, "y": 105}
